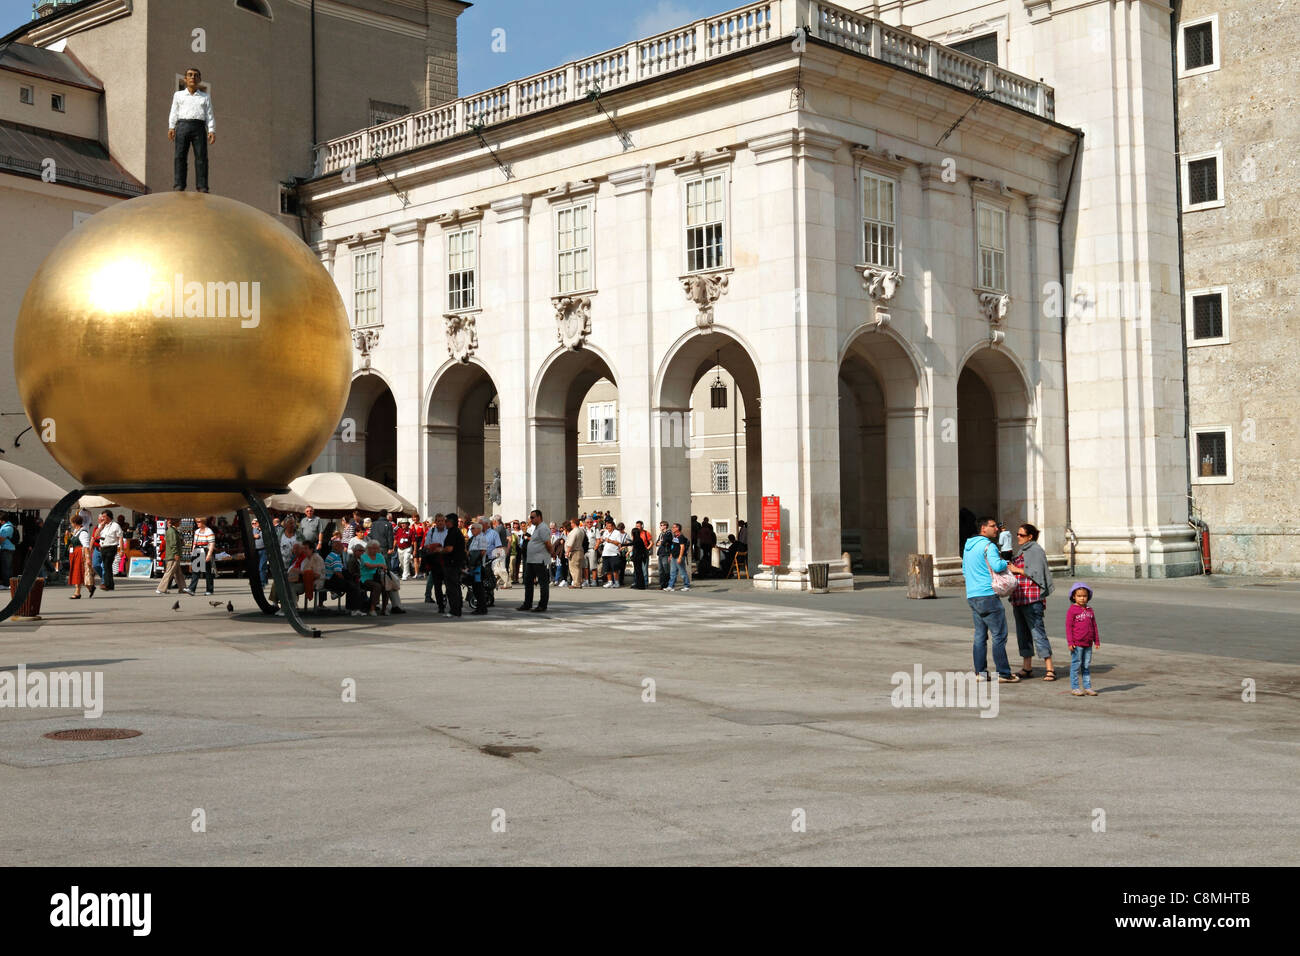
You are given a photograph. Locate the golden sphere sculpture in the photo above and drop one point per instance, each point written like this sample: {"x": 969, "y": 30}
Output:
{"x": 183, "y": 337}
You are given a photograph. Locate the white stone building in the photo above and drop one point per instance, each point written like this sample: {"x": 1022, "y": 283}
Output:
{"x": 876, "y": 234}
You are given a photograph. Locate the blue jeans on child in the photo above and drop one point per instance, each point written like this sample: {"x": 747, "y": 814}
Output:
{"x": 1081, "y": 662}
{"x": 990, "y": 619}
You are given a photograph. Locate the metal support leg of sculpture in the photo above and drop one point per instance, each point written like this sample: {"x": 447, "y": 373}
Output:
{"x": 36, "y": 559}
{"x": 250, "y": 562}
{"x": 273, "y": 558}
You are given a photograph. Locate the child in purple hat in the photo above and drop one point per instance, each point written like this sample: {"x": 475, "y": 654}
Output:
{"x": 1082, "y": 635}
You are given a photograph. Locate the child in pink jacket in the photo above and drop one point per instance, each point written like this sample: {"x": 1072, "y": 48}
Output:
{"x": 1082, "y": 635}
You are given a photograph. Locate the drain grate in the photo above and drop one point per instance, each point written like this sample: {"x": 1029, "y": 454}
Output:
{"x": 96, "y": 733}
{"x": 507, "y": 750}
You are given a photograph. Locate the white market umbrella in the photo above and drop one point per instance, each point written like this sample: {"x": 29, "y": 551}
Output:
{"x": 90, "y": 502}
{"x": 339, "y": 491}
{"x": 289, "y": 501}
{"x": 21, "y": 488}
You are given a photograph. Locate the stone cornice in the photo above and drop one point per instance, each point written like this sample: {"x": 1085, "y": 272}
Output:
{"x": 794, "y": 143}
{"x": 512, "y": 208}
{"x": 410, "y": 231}
{"x": 1044, "y": 207}
{"x": 1042, "y": 10}
{"x": 990, "y": 189}
{"x": 637, "y": 179}
{"x": 881, "y": 160}
{"x": 43, "y": 34}
{"x": 694, "y": 163}
{"x": 570, "y": 191}
{"x": 459, "y": 217}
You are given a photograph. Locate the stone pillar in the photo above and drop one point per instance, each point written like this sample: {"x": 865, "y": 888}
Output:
{"x": 506, "y": 337}
{"x": 402, "y": 311}
{"x": 550, "y": 448}
{"x": 440, "y": 443}
{"x": 631, "y": 307}
{"x": 798, "y": 314}
{"x": 1046, "y": 506}
{"x": 904, "y": 438}
{"x": 1015, "y": 439}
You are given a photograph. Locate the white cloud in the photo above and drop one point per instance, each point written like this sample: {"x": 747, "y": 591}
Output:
{"x": 666, "y": 15}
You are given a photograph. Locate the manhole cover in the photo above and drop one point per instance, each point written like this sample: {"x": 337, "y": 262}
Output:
{"x": 507, "y": 750}
{"x": 96, "y": 733}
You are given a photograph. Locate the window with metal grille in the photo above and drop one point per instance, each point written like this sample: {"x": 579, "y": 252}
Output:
{"x": 573, "y": 248}
{"x": 608, "y": 481}
{"x": 1198, "y": 46}
{"x": 1207, "y": 316}
{"x": 993, "y": 247}
{"x": 878, "y": 220}
{"x": 704, "y": 223}
{"x": 721, "y": 476}
{"x": 365, "y": 287}
{"x": 462, "y": 269}
{"x": 1212, "y": 454}
{"x": 381, "y": 112}
{"x": 985, "y": 47}
{"x": 1203, "y": 181}
{"x": 600, "y": 422}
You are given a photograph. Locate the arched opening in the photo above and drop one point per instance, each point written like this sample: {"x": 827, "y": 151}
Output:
{"x": 366, "y": 440}
{"x": 710, "y": 458}
{"x": 993, "y": 442}
{"x": 576, "y": 431}
{"x": 464, "y": 441}
{"x": 260, "y": 7}
{"x": 880, "y": 414}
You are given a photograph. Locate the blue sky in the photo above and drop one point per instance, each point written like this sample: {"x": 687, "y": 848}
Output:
{"x": 539, "y": 34}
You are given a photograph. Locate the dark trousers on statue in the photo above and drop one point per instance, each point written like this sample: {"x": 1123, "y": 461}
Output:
{"x": 190, "y": 132}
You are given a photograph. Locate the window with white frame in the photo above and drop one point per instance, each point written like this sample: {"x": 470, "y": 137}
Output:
{"x": 1198, "y": 46}
{"x": 57, "y": 102}
{"x": 879, "y": 220}
{"x": 705, "y": 223}
{"x": 721, "y": 476}
{"x": 601, "y": 417}
{"x": 1203, "y": 181}
{"x": 573, "y": 248}
{"x": 1207, "y": 317}
{"x": 992, "y": 228}
{"x": 462, "y": 269}
{"x": 1212, "y": 455}
{"x": 365, "y": 287}
{"x": 722, "y": 529}
{"x": 580, "y": 494}
{"x": 609, "y": 481}
{"x": 27, "y": 95}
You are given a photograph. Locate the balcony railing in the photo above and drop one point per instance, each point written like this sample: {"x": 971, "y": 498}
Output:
{"x": 698, "y": 42}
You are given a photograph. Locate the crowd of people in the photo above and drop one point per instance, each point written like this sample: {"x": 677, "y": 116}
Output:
{"x": 362, "y": 560}
{"x": 996, "y": 566}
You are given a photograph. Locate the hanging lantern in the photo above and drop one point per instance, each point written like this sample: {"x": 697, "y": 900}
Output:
{"x": 493, "y": 415}
{"x": 718, "y": 390}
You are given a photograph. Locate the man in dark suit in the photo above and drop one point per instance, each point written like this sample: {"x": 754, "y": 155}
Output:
{"x": 381, "y": 530}
{"x": 453, "y": 562}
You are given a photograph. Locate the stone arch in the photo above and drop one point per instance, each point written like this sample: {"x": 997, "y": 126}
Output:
{"x": 461, "y": 449}
{"x": 882, "y": 409}
{"x": 366, "y": 441}
{"x": 995, "y": 437}
{"x": 562, "y": 382}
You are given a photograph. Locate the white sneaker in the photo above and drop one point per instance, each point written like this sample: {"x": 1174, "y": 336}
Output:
{"x": 686, "y": 587}
{"x": 608, "y": 584}
{"x": 670, "y": 588}
{"x": 617, "y": 584}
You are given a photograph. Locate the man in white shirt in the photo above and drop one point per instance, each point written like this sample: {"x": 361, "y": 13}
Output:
{"x": 538, "y": 551}
{"x": 110, "y": 539}
{"x": 191, "y": 122}
{"x": 612, "y": 540}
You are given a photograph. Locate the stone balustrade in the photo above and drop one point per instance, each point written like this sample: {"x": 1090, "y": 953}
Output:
{"x": 745, "y": 27}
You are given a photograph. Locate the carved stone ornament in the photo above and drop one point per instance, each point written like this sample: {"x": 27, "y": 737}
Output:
{"x": 365, "y": 340}
{"x": 994, "y": 306}
{"x": 881, "y": 284}
{"x": 462, "y": 335}
{"x": 572, "y": 320}
{"x": 704, "y": 290}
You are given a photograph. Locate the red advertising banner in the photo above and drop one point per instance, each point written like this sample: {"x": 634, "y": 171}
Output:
{"x": 772, "y": 548}
{"x": 771, "y": 514}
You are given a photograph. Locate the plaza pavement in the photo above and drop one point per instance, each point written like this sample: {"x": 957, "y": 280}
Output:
{"x": 765, "y": 704}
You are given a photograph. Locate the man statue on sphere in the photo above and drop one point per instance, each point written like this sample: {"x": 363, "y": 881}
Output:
{"x": 191, "y": 122}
